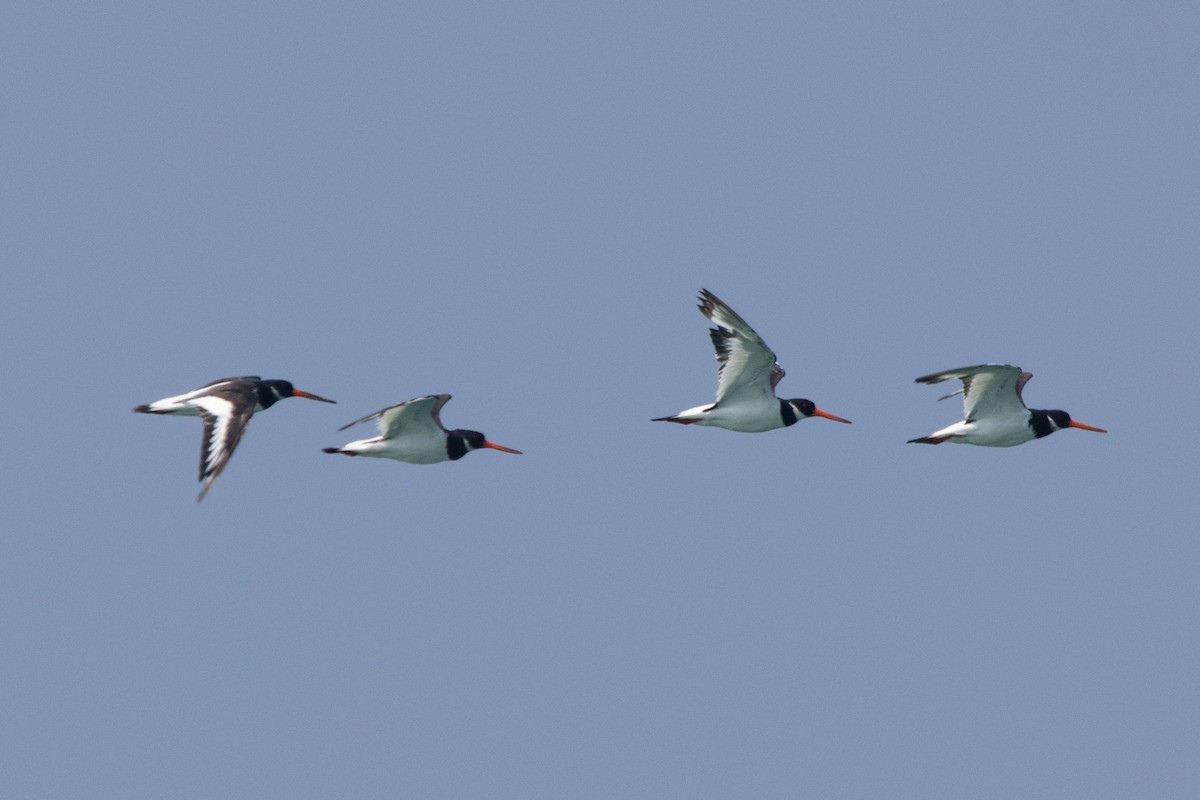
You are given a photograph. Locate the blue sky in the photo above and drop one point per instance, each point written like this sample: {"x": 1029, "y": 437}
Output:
{"x": 517, "y": 204}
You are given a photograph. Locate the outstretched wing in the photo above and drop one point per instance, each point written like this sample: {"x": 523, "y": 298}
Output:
{"x": 419, "y": 415}
{"x": 746, "y": 366}
{"x": 989, "y": 390}
{"x": 181, "y": 404}
{"x": 226, "y": 414}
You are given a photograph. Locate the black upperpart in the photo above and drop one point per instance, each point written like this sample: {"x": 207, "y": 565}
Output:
{"x": 788, "y": 413}
{"x": 790, "y": 408}
{"x": 1046, "y": 421}
{"x": 460, "y": 442}
{"x": 272, "y": 391}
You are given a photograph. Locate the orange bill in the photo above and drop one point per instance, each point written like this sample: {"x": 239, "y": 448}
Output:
{"x": 819, "y": 413}
{"x": 298, "y": 393}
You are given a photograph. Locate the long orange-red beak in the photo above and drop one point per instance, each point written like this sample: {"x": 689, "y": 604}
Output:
{"x": 819, "y": 413}
{"x": 1081, "y": 426}
{"x": 501, "y": 448}
{"x": 298, "y": 393}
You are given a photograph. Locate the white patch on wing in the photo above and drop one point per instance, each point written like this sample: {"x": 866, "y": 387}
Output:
{"x": 185, "y": 405}
{"x": 747, "y": 370}
{"x": 419, "y": 415}
{"x": 989, "y": 390}
{"x": 992, "y": 392}
{"x": 219, "y": 414}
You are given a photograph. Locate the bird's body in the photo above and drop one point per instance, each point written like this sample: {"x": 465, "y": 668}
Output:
{"x": 412, "y": 432}
{"x": 226, "y": 406}
{"x": 996, "y": 416}
{"x": 747, "y": 374}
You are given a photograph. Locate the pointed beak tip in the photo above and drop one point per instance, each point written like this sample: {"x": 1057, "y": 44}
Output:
{"x": 818, "y": 412}
{"x": 308, "y": 395}
{"x": 502, "y": 448}
{"x": 1084, "y": 427}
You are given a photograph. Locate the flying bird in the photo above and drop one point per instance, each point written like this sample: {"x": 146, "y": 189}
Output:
{"x": 996, "y": 415}
{"x": 226, "y": 407}
{"x": 747, "y": 374}
{"x": 412, "y": 432}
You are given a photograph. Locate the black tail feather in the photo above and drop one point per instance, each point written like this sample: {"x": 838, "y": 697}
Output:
{"x": 929, "y": 440}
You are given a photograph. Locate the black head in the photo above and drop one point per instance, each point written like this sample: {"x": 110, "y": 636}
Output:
{"x": 271, "y": 392}
{"x": 460, "y": 442}
{"x": 1060, "y": 418}
{"x": 1046, "y": 421}
{"x": 798, "y": 409}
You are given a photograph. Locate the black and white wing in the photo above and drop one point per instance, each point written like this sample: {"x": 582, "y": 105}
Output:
{"x": 420, "y": 415}
{"x": 989, "y": 390}
{"x": 746, "y": 366}
{"x": 226, "y": 414}
{"x": 182, "y": 404}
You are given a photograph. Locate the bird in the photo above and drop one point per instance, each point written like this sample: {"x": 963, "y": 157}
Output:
{"x": 747, "y": 374}
{"x": 226, "y": 406}
{"x": 996, "y": 415}
{"x": 412, "y": 432}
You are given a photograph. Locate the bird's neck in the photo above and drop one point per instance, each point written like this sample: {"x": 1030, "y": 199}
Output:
{"x": 1041, "y": 423}
{"x": 788, "y": 413}
{"x": 456, "y": 445}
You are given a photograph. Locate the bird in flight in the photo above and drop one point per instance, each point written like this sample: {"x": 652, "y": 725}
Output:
{"x": 747, "y": 374}
{"x": 225, "y": 406}
{"x": 996, "y": 415}
{"x": 412, "y": 432}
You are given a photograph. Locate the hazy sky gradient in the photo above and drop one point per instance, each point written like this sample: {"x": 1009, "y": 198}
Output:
{"x": 516, "y": 204}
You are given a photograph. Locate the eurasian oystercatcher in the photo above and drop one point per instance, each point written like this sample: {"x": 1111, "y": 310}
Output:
{"x": 996, "y": 415}
{"x": 747, "y": 374}
{"x": 226, "y": 407}
{"x": 412, "y": 432}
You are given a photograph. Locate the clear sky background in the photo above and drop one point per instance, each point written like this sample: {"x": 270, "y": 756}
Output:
{"x": 517, "y": 203}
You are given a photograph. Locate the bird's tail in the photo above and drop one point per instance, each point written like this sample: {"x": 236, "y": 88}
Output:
{"x": 146, "y": 410}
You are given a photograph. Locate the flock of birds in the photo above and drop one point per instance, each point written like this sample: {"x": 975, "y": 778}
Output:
{"x": 747, "y": 373}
